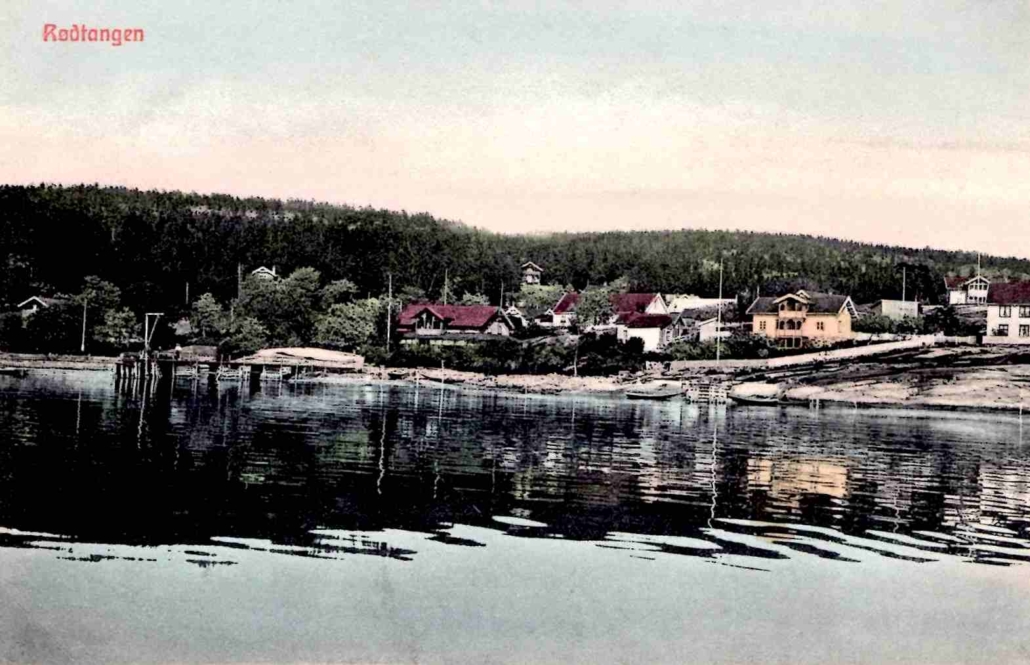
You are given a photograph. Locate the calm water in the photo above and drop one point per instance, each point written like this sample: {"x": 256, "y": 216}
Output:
{"x": 382, "y": 523}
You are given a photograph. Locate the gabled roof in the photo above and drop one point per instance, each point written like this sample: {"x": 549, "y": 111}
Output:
{"x": 1011, "y": 293}
{"x": 762, "y": 305}
{"x": 567, "y": 303}
{"x": 531, "y": 265}
{"x": 631, "y": 302}
{"x": 264, "y": 271}
{"x": 456, "y": 316}
{"x": 954, "y": 283}
{"x": 45, "y": 302}
{"x": 818, "y": 303}
{"x": 645, "y": 320}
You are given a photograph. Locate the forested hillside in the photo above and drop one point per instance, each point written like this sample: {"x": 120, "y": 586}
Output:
{"x": 152, "y": 244}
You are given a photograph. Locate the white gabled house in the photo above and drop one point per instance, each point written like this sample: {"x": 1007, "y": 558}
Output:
{"x": 1008, "y": 314}
{"x": 264, "y": 273}
{"x": 30, "y": 306}
{"x": 967, "y": 290}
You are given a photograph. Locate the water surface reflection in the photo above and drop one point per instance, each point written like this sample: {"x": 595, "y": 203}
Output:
{"x": 332, "y": 471}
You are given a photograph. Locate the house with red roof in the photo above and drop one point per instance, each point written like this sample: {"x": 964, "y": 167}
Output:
{"x": 648, "y": 328}
{"x": 638, "y": 303}
{"x": 643, "y": 316}
{"x": 563, "y": 314}
{"x": 1008, "y": 313}
{"x": 433, "y": 323}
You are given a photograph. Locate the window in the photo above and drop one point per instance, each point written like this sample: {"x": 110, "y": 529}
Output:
{"x": 1024, "y": 312}
{"x": 821, "y": 325}
{"x": 1024, "y": 331}
{"x": 1003, "y": 330}
{"x": 761, "y": 325}
{"x": 1005, "y": 311}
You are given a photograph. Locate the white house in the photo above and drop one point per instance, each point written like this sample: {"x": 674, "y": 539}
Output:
{"x": 34, "y": 304}
{"x": 264, "y": 273}
{"x": 649, "y": 328}
{"x": 1008, "y": 314}
{"x": 967, "y": 290}
{"x": 531, "y": 273}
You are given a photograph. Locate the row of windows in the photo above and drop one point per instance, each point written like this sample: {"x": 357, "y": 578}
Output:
{"x": 790, "y": 325}
{"x": 1006, "y": 311}
{"x": 1003, "y": 330}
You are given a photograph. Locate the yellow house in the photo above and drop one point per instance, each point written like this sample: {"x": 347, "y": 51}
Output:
{"x": 803, "y": 318}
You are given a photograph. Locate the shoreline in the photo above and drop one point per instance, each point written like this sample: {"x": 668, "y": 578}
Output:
{"x": 971, "y": 379}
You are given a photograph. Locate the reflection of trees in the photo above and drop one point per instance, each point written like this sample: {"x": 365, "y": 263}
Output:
{"x": 219, "y": 462}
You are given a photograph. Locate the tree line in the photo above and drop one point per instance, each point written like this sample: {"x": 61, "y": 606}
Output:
{"x": 163, "y": 251}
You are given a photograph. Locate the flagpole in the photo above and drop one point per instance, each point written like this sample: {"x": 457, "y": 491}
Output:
{"x": 718, "y": 322}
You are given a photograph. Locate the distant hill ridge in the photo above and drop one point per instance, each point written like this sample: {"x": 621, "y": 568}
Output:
{"x": 152, "y": 243}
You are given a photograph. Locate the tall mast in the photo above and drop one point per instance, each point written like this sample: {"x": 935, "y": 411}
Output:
{"x": 389, "y": 309}
{"x": 718, "y": 321}
{"x": 903, "y": 275}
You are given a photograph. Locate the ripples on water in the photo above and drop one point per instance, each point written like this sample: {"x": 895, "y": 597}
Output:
{"x": 195, "y": 473}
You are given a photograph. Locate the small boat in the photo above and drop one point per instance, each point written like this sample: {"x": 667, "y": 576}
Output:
{"x": 397, "y": 374}
{"x": 19, "y": 372}
{"x": 757, "y": 400}
{"x": 667, "y": 393}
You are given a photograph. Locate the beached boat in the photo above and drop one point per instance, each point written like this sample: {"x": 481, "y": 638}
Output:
{"x": 655, "y": 394}
{"x": 19, "y": 372}
{"x": 756, "y": 400}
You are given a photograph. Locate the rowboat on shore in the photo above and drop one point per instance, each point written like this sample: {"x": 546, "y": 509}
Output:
{"x": 757, "y": 400}
{"x": 655, "y": 394}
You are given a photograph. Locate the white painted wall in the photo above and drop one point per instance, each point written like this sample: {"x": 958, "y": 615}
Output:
{"x": 1018, "y": 326}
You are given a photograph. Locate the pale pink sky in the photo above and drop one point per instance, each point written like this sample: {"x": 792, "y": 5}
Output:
{"x": 902, "y": 122}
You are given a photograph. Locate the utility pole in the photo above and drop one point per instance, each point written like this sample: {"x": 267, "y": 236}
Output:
{"x": 445, "y": 286}
{"x": 718, "y": 321}
{"x": 239, "y": 280}
{"x": 904, "y": 270}
{"x": 85, "y": 301}
{"x": 187, "y": 293}
{"x": 389, "y": 308}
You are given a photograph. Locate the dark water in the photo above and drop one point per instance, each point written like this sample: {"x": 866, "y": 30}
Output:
{"x": 383, "y": 523}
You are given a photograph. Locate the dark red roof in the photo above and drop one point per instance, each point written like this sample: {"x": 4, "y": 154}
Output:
{"x": 567, "y": 303}
{"x": 1012, "y": 293}
{"x": 957, "y": 282}
{"x": 456, "y": 316}
{"x": 631, "y": 302}
{"x": 646, "y": 320}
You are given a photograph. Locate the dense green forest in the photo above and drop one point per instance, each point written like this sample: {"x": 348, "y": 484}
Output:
{"x": 157, "y": 246}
